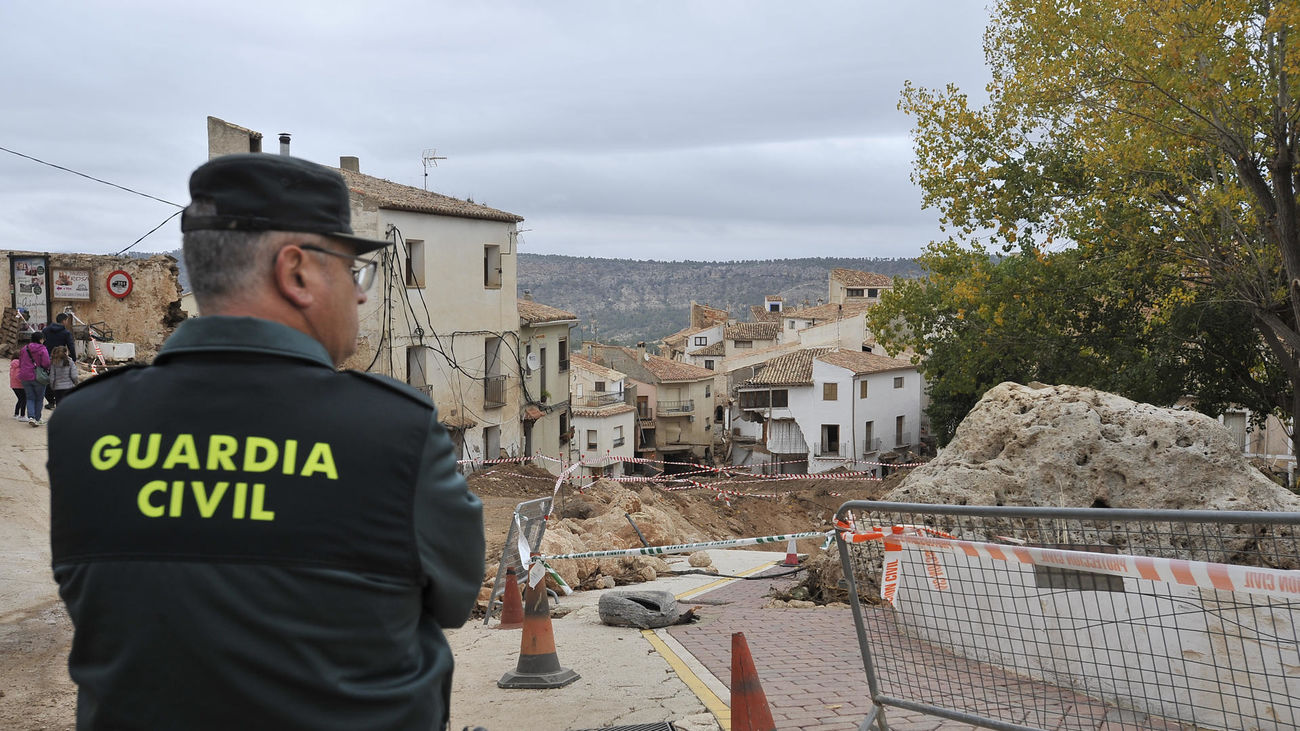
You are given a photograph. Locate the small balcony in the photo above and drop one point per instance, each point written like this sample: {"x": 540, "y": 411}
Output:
{"x": 564, "y": 364}
{"x": 871, "y": 446}
{"x": 676, "y": 408}
{"x": 597, "y": 400}
{"x": 494, "y": 392}
{"x": 645, "y": 413}
{"x": 618, "y": 442}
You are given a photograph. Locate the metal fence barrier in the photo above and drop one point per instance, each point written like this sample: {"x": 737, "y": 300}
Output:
{"x": 1076, "y": 618}
{"x": 531, "y": 517}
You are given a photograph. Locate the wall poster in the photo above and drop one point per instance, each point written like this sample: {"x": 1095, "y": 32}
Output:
{"x": 70, "y": 284}
{"x": 30, "y": 277}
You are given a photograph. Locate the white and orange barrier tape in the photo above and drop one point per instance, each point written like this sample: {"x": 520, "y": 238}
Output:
{"x": 1264, "y": 581}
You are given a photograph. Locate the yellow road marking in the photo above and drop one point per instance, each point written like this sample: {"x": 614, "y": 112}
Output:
{"x": 711, "y": 701}
{"x": 720, "y": 582}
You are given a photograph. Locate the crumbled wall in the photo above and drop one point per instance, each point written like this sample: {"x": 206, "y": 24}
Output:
{"x": 146, "y": 317}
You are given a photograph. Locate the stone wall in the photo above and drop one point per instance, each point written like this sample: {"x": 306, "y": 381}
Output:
{"x": 146, "y": 316}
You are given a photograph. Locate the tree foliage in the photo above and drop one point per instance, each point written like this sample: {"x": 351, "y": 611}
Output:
{"x": 1135, "y": 165}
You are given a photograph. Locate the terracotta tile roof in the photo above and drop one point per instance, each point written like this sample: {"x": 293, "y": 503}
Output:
{"x": 855, "y": 278}
{"x": 536, "y": 313}
{"x": 596, "y": 369}
{"x": 792, "y": 369}
{"x": 703, "y": 315}
{"x": 859, "y": 362}
{"x": 672, "y": 370}
{"x": 773, "y": 298}
{"x": 612, "y": 410}
{"x": 718, "y": 348}
{"x": 752, "y": 331}
{"x": 828, "y": 312}
{"x": 677, "y": 341}
{"x": 758, "y": 313}
{"x": 400, "y": 197}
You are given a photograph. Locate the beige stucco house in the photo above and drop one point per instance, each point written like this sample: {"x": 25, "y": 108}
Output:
{"x": 544, "y": 381}
{"x": 443, "y": 315}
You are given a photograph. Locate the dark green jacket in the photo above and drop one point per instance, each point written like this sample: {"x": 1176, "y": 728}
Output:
{"x": 247, "y": 538}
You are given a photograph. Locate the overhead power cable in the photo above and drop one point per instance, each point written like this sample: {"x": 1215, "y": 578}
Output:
{"x": 92, "y": 177}
{"x": 155, "y": 228}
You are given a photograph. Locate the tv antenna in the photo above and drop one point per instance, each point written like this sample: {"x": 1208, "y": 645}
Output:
{"x": 427, "y": 158}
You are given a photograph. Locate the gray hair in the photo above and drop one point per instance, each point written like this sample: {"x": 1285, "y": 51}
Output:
{"x": 221, "y": 264}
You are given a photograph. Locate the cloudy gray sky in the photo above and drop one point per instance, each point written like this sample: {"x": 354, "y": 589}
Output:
{"x": 664, "y": 129}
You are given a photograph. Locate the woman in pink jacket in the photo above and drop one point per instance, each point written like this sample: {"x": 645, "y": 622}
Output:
{"x": 32, "y": 355}
{"x": 16, "y": 383}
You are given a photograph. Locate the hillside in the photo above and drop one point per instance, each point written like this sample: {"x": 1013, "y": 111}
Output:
{"x": 622, "y": 301}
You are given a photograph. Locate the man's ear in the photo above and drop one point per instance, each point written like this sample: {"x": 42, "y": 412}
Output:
{"x": 293, "y": 273}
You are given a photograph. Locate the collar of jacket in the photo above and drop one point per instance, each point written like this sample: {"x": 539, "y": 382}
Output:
{"x": 222, "y": 334}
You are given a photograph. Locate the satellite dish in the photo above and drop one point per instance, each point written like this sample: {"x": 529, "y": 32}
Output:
{"x": 645, "y": 357}
{"x": 532, "y": 361}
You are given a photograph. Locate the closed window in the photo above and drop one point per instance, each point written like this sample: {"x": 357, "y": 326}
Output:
{"x": 618, "y": 436}
{"x": 701, "y": 340}
{"x": 790, "y": 325}
{"x": 600, "y": 386}
{"x": 564, "y": 354}
{"x": 708, "y": 391}
{"x": 873, "y": 293}
{"x": 862, "y": 389}
{"x": 898, "y": 382}
{"x": 773, "y": 306}
{"x": 781, "y": 398}
{"x": 414, "y": 263}
{"x": 900, "y": 431}
{"x": 744, "y": 344}
{"x": 591, "y": 439}
{"x": 491, "y": 266}
{"x": 855, "y": 292}
{"x": 869, "y": 445}
{"x": 708, "y": 364}
{"x": 830, "y": 391}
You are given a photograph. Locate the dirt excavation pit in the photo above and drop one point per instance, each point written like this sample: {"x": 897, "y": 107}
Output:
{"x": 596, "y": 519}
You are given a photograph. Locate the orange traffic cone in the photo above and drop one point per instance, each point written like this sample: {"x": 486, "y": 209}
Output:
{"x": 791, "y": 555}
{"x": 749, "y": 711}
{"x": 539, "y": 666}
{"x": 512, "y": 605}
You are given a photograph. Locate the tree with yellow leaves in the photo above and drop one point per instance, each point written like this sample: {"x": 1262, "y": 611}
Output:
{"x": 1149, "y": 145}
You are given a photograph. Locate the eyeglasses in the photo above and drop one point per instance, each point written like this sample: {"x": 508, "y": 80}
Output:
{"x": 363, "y": 273}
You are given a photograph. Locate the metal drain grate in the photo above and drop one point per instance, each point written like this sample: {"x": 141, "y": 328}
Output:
{"x": 661, "y": 726}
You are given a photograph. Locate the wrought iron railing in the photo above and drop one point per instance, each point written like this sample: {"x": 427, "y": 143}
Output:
{"x": 676, "y": 407}
{"x": 494, "y": 392}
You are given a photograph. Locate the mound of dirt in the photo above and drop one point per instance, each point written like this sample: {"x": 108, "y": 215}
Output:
{"x": 596, "y": 517}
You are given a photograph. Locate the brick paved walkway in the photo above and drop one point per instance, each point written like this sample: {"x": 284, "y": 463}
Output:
{"x": 811, "y": 670}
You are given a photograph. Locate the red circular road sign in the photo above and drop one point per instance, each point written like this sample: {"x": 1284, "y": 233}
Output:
{"x": 119, "y": 283}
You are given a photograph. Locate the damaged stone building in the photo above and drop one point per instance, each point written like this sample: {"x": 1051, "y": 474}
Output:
{"x": 130, "y": 300}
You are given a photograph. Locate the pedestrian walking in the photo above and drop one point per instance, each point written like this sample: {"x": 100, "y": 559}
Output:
{"x": 33, "y": 370}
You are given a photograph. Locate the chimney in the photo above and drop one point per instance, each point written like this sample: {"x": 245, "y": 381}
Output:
{"x": 284, "y": 144}
{"x": 528, "y": 295}
{"x": 351, "y": 163}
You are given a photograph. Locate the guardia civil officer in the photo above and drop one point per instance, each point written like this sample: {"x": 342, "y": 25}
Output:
{"x": 246, "y": 537}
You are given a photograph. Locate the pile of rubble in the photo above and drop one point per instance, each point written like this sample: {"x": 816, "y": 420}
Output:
{"x": 598, "y": 519}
